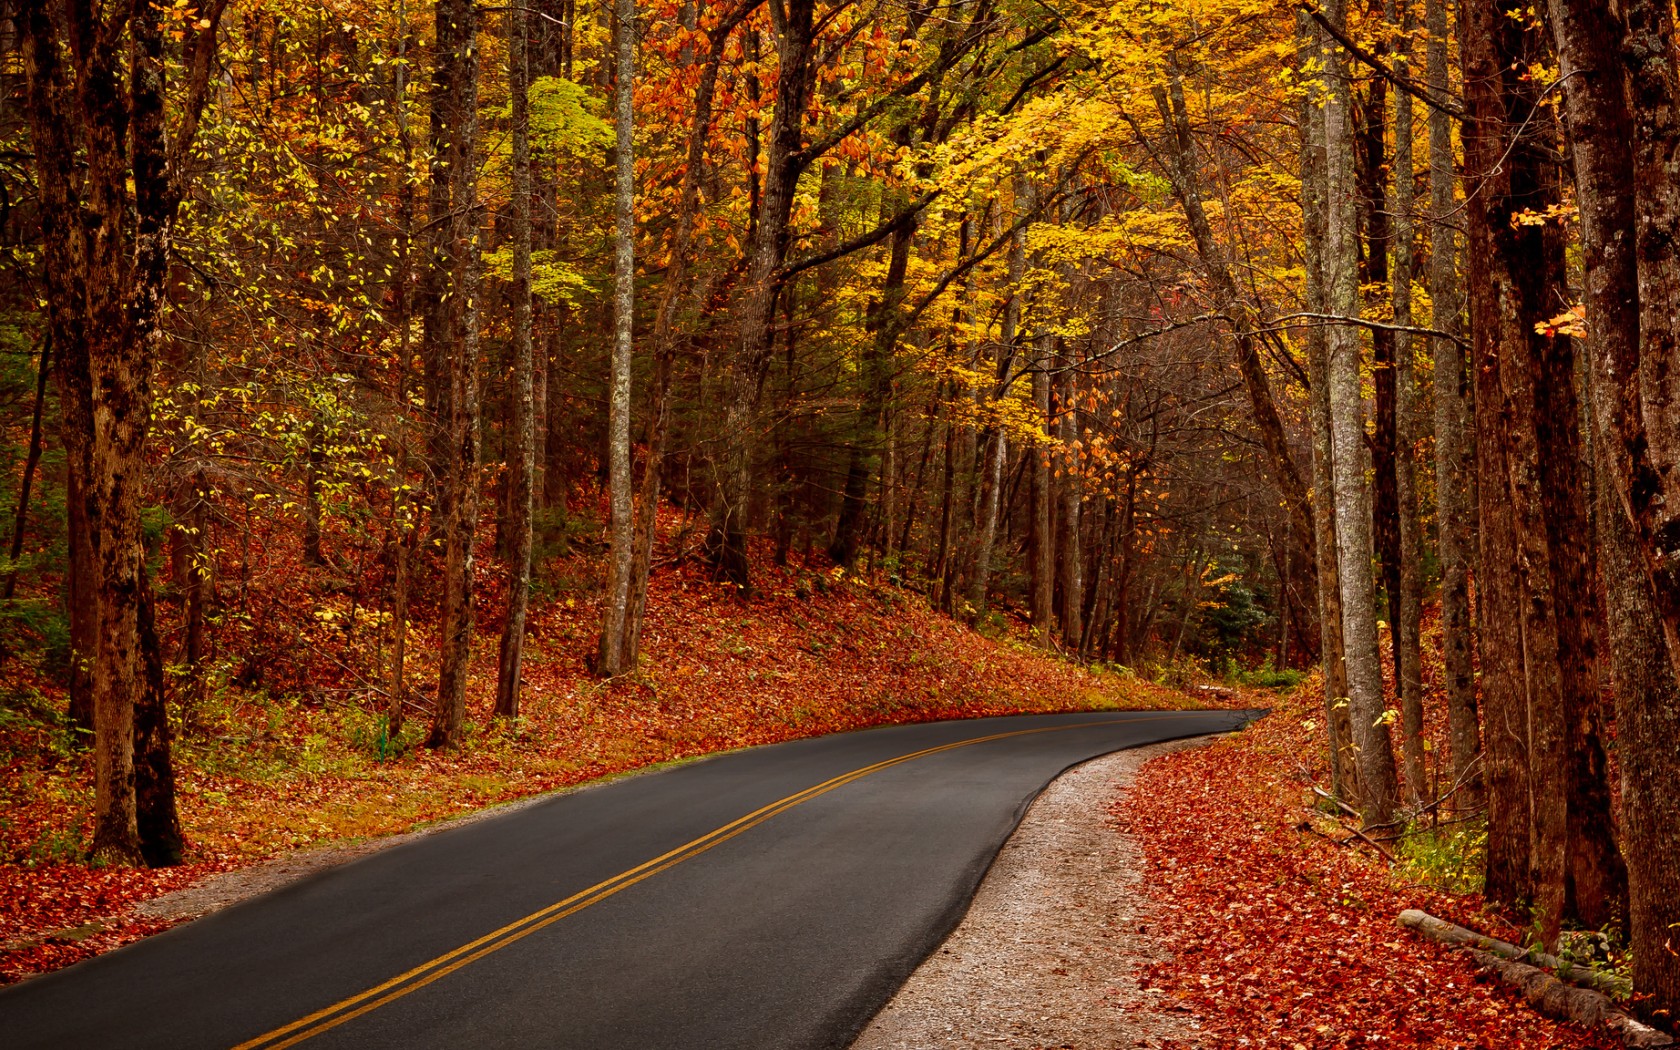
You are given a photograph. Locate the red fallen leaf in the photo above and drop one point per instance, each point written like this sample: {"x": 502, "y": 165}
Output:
{"x": 1304, "y": 928}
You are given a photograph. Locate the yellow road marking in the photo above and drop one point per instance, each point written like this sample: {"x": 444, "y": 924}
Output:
{"x": 427, "y": 972}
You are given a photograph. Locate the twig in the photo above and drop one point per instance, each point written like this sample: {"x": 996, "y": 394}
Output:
{"x": 1356, "y": 833}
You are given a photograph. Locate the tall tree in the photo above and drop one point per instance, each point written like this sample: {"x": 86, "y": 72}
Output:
{"x": 112, "y": 174}
{"x": 1453, "y": 467}
{"x": 1375, "y": 754}
{"x": 1550, "y": 843}
{"x": 1601, "y": 123}
{"x": 1310, "y": 51}
{"x": 1043, "y": 539}
{"x": 522, "y": 467}
{"x": 1407, "y": 604}
{"x": 1072, "y": 555}
{"x": 452, "y": 332}
{"x": 795, "y": 33}
{"x": 611, "y": 654}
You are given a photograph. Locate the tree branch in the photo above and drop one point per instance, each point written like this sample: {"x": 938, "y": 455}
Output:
{"x": 860, "y": 242}
{"x": 1409, "y": 86}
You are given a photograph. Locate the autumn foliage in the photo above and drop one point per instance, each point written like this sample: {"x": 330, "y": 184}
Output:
{"x": 1281, "y": 937}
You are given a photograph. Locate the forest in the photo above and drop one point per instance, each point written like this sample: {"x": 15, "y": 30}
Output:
{"x": 1201, "y": 339}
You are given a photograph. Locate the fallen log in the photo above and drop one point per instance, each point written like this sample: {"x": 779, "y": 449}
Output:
{"x": 1451, "y": 933}
{"x": 1566, "y": 1001}
{"x": 1544, "y": 991}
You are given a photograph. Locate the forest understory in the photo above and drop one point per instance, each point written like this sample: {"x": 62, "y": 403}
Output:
{"x": 1280, "y": 936}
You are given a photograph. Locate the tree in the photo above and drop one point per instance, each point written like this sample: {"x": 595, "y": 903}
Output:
{"x": 98, "y": 90}
{"x": 1375, "y": 755}
{"x": 613, "y": 657}
{"x": 1550, "y": 843}
{"x": 1600, "y": 119}
{"x": 1405, "y": 606}
{"x": 452, "y": 333}
{"x": 1314, "y": 216}
{"x": 1452, "y": 462}
{"x": 522, "y": 469}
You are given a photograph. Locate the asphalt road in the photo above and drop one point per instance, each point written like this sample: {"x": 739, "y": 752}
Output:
{"x": 773, "y": 898}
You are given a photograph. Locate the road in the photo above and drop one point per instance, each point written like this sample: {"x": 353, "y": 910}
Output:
{"x": 772, "y": 898}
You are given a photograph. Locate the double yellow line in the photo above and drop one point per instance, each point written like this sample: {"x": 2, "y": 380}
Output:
{"x": 447, "y": 963}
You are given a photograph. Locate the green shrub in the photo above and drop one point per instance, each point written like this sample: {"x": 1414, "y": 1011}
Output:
{"x": 1263, "y": 677}
{"x": 1449, "y": 857}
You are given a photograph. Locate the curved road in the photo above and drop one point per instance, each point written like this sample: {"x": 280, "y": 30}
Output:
{"x": 772, "y": 898}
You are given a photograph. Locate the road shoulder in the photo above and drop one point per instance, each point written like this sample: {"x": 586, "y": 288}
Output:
{"x": 1049, "y": 951}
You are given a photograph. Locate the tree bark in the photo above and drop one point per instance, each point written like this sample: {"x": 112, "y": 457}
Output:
{"x": 1338, "y": 724}
{"x": 1493, "y": 322}
{"x": 1375, "y": 756}
{"x": 456, "y": 94}
{"x": 522, "y": 466}
{"x": 1408, "y": 602}
{"x": 110, "y": 178}
{"x": 1453, "y": 466}
{"x": 610, "y": 657}
{"x": 1646, "y": 382}
{"x": 1647, "y": 696}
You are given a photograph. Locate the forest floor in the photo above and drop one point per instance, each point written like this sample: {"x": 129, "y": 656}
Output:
{"x": 1279, "y": 927}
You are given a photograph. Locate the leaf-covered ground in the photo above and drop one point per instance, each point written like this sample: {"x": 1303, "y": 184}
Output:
{"x": 263, "y": 772}
{"x": 1281, "y": 938}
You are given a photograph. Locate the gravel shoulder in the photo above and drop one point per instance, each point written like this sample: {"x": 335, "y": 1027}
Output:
{"x": 1048, "y": 954}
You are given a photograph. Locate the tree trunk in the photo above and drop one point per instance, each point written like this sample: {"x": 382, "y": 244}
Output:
{"x": 1647, "y": 726}
{"x": 1453, "y": 466}
{"x": 795, "y": 42}
{"x": 1374, "y": 216}
{"x": 615, "y": 601}
{"x": 31, "y": 460}
{"x": 997, "y": 441}
{"x": 1647, "y": 696}
{"x": 1503, "y": 690}
{"x": 103, "y": 153}
{"x": 1407, "y": 610}
{"x": 1072, "y": 556}
{"x": 1314, "y": 203}
{"x": 671, "y": 300}
{"x": 522, "y": 441}
{"x": 1043, "y": 540}
{"x": 162, "y": 842}
{"x": 456, "y": 93}
{"x": 1647, "y": 379}
{"x": 1375, "y": 757}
